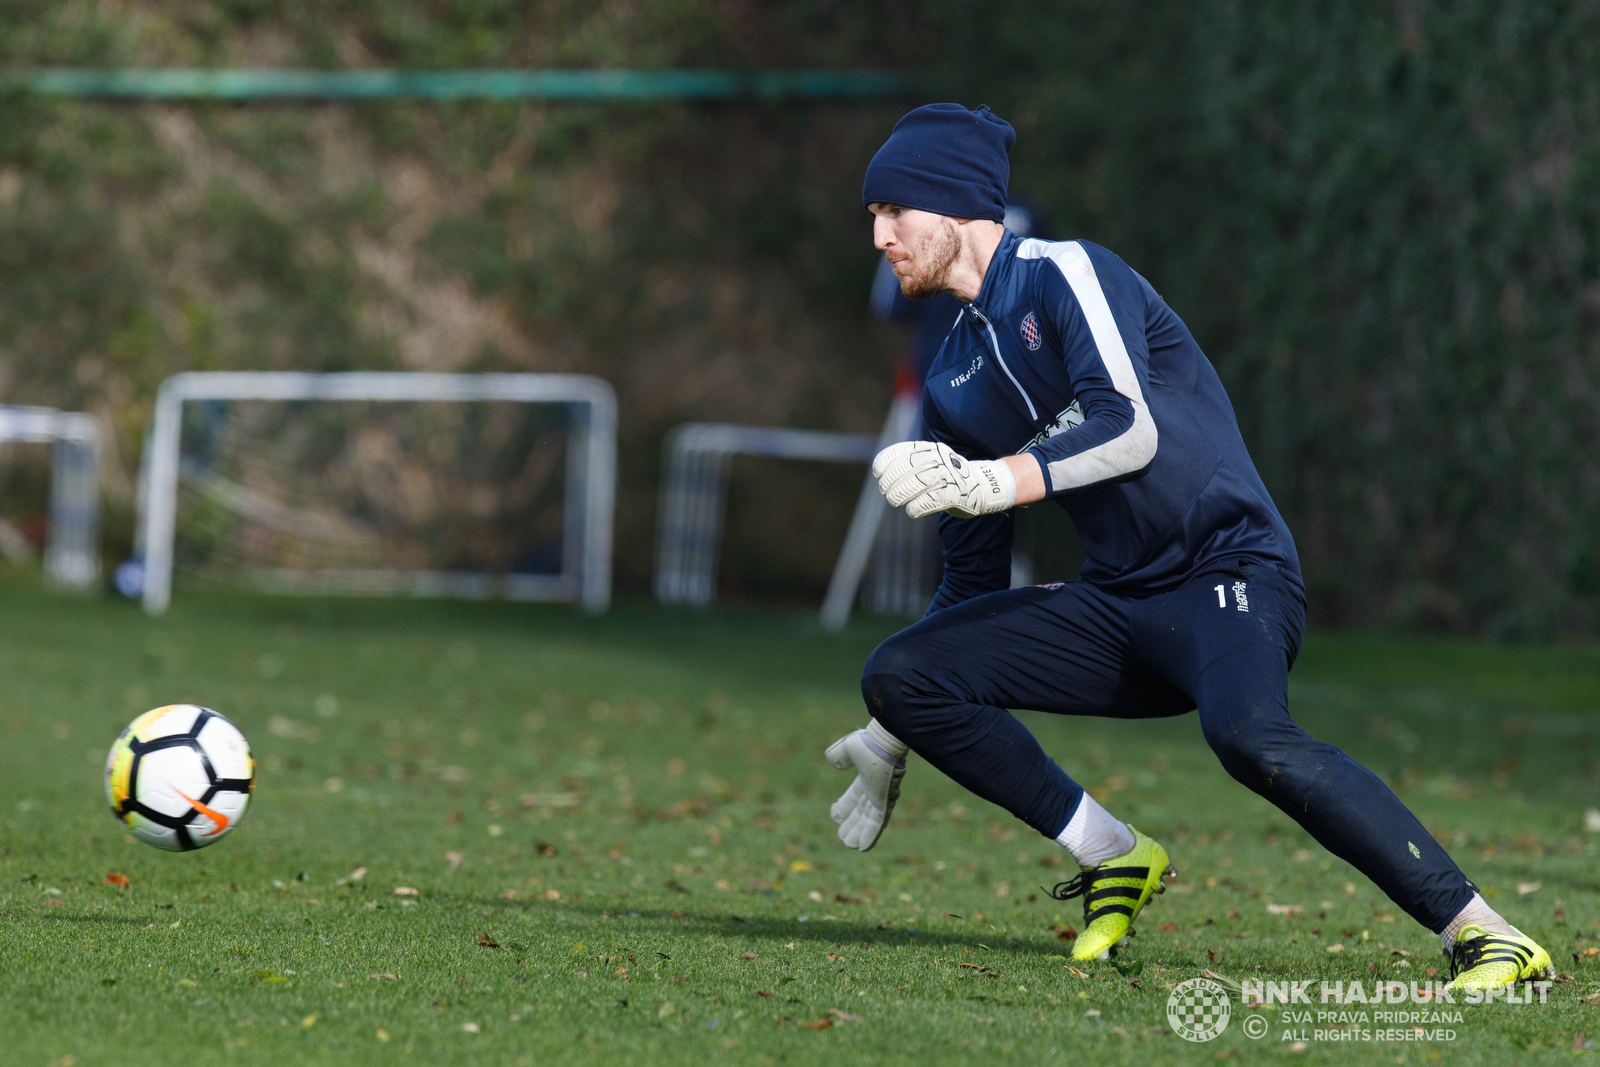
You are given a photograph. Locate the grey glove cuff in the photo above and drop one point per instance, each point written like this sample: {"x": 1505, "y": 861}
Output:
{"x": 884, "y": 744}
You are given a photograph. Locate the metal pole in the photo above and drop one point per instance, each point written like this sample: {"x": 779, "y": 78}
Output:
{"x": 870, "y": 505}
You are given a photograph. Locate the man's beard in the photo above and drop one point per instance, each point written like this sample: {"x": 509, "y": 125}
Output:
{"x": 936, "y": 259}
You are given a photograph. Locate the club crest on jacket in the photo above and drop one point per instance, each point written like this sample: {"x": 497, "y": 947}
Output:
{"x": 1030, "y": 332}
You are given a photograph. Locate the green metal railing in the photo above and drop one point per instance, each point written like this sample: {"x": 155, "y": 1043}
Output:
{"x": 192, "y": 84}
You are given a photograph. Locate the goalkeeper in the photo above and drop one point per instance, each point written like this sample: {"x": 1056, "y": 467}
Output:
{"x": 1065, "y": 377}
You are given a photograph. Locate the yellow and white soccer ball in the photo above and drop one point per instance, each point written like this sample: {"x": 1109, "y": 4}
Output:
{"x": 180, "y": 776}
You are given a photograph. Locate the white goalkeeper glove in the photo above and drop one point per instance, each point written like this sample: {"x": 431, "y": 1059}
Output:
{"x": 925, "y": 477}
{"x": 880, "y": 762}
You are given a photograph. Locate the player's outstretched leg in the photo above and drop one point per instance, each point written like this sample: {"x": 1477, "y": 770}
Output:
{"x": 1352, "y": 814}
{"x": 1241, "y": 686}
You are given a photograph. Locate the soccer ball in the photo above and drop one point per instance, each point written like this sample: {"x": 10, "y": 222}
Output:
{"x": 180, "y": 777}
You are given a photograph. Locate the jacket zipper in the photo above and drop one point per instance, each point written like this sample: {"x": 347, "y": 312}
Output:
{"x": 1032, "y": 412}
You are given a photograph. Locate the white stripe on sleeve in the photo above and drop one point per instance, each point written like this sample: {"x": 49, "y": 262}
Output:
{"x": 1135, "y": 447}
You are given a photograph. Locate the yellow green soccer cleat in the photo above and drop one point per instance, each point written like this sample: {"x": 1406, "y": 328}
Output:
{"x": 1481, "y": 960}
{"x": 1113, "y": 895}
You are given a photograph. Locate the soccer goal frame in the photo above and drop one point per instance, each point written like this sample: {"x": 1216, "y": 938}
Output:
{"x": 589, "y": 504}
{"x": 694, "y": 490}
{"x": 72, "y": 552}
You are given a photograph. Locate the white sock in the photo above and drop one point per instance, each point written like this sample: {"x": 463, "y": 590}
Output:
{"x": 891, "y": 744}
{"x": 1093, "y": 835}
{"x": 1476, "y": 911}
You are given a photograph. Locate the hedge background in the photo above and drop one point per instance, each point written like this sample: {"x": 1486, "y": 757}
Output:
{"x": 1379, "y": 219}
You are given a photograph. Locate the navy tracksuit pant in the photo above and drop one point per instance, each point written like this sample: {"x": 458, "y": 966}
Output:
{"x": 1223, "y": 643}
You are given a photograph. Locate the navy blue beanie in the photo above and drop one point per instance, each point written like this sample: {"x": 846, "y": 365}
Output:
{"x": 944, "y": 159}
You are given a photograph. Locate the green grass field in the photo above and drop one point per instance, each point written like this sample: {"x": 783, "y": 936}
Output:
{"x": 634, "y": 810}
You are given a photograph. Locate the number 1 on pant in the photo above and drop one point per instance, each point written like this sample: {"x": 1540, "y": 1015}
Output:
{"x": 1222, "y": 601}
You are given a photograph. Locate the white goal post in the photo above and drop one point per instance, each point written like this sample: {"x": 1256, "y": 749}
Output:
{"x": 591, "y": 459}
{"x": 72, "y": 554}
{"x": 694, "y": 488}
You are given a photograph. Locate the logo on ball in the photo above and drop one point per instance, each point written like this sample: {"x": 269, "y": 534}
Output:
{"x": 1198, "y": 1009}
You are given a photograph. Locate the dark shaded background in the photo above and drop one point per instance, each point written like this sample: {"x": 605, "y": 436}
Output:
{"x": 1379, "y": 219}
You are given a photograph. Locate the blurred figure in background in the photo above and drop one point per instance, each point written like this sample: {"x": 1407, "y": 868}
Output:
{"x": 907, "y": 556}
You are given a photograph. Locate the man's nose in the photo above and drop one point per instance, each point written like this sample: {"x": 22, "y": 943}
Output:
{"x": 882, "y": 234}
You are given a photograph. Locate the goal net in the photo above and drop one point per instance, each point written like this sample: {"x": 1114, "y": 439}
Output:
{"x": 381, "y": 484}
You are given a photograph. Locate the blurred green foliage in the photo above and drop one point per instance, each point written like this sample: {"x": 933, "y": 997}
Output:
{"x": 1379, "y": 219}
{"x": 710, "y": 260}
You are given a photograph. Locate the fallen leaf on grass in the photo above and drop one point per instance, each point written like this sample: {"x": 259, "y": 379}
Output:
{"x": 115, "y": 878}
{"x": 1166, "y": 928}
{"x": 552, "y": 894}
{"x": 354, "y": 876}
{"x": 405, "y": 891}
{"x": 1590, "y": 951}
{"x": 747, "y": 955}
{"x": 455, "y": 860}
{"x": 1592, "y": 999}
{"x": 485, "y": 941}
{"x": 820, "y": 1024}
{"x": 53, "y": 902}
{"x": 1334, "y": 948}
{"x": 1075, "y": 972}
{"x": 309, "y": 1021}
{"x": 472, "y": 1028}
{"x": 763, "y": 993}
{"x": 509, "y": 894}
{"x": 1232, "y": 914}
{"x": 1290, "y": 910}
{"x": 384, "y": 977}
{"x": 1524, "y": 888}
{"x": 1225, "y": 982}
{"x": 846, "y": 1017}
{"x": 545, "y": 848}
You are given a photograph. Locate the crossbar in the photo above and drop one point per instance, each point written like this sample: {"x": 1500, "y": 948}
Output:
{"x": 267, "y": 84}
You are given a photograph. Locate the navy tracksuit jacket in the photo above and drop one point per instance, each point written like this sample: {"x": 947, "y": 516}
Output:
{"x": 1191, "y": 596}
